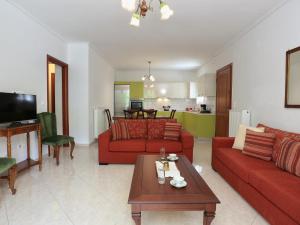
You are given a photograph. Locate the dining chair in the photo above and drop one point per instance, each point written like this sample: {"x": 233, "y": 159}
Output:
{"x": 149, "y": 113}
{"x": 50, "y": 136}
{"x": 172, "y": 113}
{"x": 9, "y": 164}
{"x": 131, "y": 114}
{"x": 108, "y": 115}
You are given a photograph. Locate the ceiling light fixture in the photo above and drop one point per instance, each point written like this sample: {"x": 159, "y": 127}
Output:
{"x": 148, "y": 78}
{"x": 141, "y": 8}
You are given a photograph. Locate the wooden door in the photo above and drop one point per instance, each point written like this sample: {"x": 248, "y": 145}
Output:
{"x": 223, "y": 100}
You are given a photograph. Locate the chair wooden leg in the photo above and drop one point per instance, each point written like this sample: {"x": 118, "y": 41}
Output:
{"x": 57, "y": 149}
{"x": 54, "y": 152}
{"x": 49, "y": 152}
{"x": 72, "y": 149}
{"x": 12, "y": 174}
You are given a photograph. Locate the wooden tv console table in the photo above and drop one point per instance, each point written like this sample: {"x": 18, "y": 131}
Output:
{"x": 8, "y": 132}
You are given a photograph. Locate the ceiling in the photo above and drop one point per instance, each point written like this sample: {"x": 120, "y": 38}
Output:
{"x": 197, "y": 30}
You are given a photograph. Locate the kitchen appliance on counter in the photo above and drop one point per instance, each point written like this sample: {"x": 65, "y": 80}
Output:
{"x": 204, "y": 109}
{"x": 166, "y": 107}
{"x": 138, "y": 105}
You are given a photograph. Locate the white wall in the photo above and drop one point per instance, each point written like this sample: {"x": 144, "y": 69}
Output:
{"x": 259, "y": 68}
{"x": 160, "y": 75}
{"x": 90, "y": 85}
{"x": 24, "y": 45}
{"x": 101, "y": 87}
{"x": 78, "y": 60}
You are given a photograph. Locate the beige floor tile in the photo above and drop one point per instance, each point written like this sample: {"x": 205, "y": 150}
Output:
{"x": 80, "y": 192}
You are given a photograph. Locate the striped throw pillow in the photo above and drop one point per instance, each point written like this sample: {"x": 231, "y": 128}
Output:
{"x": 120, "y": 131}
{"x": 259, "y": 145}
{"x": 172, "y": 131}
{"x": 289, "y": 156}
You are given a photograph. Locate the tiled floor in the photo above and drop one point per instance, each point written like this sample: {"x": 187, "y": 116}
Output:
{"x": 80, "y": 192}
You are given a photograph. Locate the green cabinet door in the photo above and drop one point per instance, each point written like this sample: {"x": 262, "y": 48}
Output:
{"x": 199, "y": 125}
{"x": 136, "y": 89}
{"x": 178, "y": 115}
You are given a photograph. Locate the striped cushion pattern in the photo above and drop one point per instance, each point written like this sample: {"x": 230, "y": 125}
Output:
{"x": 289, "y": 156}
{"x": 259, "y": 145}
{"x": 172, "y": 131}
{"x": 120, "y": 131}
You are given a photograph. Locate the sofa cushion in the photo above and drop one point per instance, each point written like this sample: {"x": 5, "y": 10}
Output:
{"x": 133, "y": 145}
{"x": 156, "y": 128}
{"x": 239, "y": 141}
{"x": 172, "y": 131}
{"x": 280, "y": 135}
{"x": 241, "y": 164}
{"x": 279, "y": 187}
{"x": 170, "y": 146}
{"x": 137, "y": 128}
{"x": 119, "y": 131}
{"x": 289, "y": 156}
{"x": 259, "y": 145}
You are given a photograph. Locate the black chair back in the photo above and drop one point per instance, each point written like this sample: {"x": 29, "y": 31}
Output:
{"x": 172, "y": 113}
{"x": 109, "y": 120}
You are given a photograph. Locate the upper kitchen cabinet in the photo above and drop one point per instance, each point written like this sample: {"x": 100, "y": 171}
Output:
{"x": 168, "y": 90}
{"x": 207, "y": 85}
{"x": 136, "y": 89}
{"x": 194, "y": 92}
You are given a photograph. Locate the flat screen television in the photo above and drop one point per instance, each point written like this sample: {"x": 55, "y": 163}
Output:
{"x": 17, "y": 107}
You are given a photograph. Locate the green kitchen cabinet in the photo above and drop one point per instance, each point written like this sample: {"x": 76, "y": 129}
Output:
{"x": 178, "y": 115}
{"x": 136, "y": 89}
{"x": 199, "y": 125}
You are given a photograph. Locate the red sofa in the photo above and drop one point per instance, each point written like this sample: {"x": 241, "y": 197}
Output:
{"x": 272, "y": 192}
{"x": 146, "y": 138}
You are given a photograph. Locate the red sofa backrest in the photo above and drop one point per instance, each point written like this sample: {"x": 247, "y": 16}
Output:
{"x": 147, "y": 128}
{"x": 156, "y": 127}
{"x": 280, "y": 135}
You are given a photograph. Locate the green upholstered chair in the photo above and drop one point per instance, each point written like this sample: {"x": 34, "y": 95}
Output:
{"x": 9, "y": 164}
{"x": 50, "y": 136}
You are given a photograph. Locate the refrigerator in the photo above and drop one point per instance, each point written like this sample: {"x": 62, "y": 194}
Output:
{"x": 122, "y": 98}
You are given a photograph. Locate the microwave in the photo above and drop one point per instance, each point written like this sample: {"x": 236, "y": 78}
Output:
{"x": 138, "y": 105}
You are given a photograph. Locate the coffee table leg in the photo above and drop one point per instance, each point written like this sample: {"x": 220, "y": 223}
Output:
{"x": 136, "y": 214}
{"x": 208, "y": 217}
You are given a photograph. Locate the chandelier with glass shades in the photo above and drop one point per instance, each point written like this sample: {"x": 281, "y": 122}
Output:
{"x": 141, "y": 7}
{"x": 148, "y": 78}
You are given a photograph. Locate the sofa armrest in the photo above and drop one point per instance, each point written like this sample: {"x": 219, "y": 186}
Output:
{"x": 222, "y": 142}
{"x": 103, "y": 145}
{"x": 187, "y": 141}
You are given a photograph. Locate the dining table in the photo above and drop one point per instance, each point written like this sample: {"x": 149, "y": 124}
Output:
{"x": 115, "y": 118}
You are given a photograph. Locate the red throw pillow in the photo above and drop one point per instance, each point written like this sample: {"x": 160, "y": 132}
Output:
{"x": 156, "y": 127}
{"x": 137, "y": 128}
{"x": 289, "y": 156}
{"x": 120, "y": 131}
{"x": 172, "y": 131}
{"x": 259, "y": 145}
{"x": 280, "y": 135}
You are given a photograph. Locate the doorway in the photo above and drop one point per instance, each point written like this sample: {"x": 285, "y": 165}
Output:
{"x": 57, "y": 93}
{"x": 223, "y": 100}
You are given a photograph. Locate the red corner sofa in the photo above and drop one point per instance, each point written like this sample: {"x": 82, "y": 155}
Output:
{"x": 146, "y": 137}
{"x": 272, "y": 192}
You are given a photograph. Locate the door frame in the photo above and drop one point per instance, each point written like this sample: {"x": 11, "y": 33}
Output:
{"x": 65, "y": 91}
{"x": 230, "y": 67}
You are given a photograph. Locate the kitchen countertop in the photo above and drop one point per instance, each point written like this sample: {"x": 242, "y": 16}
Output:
{"x": 197, "y": 113}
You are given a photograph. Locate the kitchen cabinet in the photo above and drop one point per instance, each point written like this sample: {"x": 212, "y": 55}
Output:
{"x": 194, "y": 93}
{"x": 136, "y": 89}
{"x": 199, "y": 125}
{"x": 167, "y": 90}
{"x": 178, "y": 115}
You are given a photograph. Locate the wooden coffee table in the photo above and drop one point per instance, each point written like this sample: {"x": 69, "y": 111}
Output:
{"x": 146, "y": 194}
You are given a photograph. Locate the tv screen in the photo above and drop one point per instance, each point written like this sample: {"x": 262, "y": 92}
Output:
{"x": 17, "y": 107}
